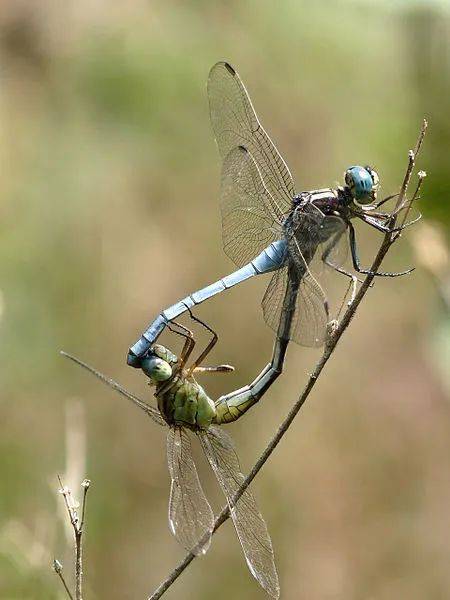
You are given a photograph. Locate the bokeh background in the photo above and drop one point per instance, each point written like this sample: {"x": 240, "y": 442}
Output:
{"x": 109, "y": 212}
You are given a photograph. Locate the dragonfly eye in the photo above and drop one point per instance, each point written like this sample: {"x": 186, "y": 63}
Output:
{"x": 156, "y": 368}
{"x": 361, "y": 183}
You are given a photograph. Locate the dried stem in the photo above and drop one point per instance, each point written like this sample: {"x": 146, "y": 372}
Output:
{"x": 58, "y": 568}
{"x": 412, "y": 156}
{"x": 329, "y": 348}
{"x": 77, "y": 525}
{"x": 85, "y": 485}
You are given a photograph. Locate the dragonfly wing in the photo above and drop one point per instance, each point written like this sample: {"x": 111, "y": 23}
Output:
{"x": 248, "y": 522}
{"x": 303, "y": 306}
{"x": 235, "y": 123}
{"x": 251, "y": 219}
{"x": 191, "y": 518}
{"x": 295, "y": 304}
{"x": 336, "y": 246}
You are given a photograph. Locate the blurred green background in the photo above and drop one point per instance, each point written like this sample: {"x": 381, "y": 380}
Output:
{"x": 110, "y": 212}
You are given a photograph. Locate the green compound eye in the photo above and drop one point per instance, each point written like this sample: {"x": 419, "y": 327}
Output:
{"x": 361, "y": 184}
{"x": 156, "y": 368}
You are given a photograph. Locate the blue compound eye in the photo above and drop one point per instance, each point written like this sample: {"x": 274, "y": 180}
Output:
{"x": 360, "y": 182}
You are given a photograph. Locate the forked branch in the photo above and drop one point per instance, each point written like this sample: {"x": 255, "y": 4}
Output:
{"x": 77, "y": 526}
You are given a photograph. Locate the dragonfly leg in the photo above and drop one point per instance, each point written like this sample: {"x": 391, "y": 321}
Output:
{"x": 380, "y": 215}
{"x": 405, "y": 225}
{"x": 198, "y": 361}
{"x": 391, "y": 197}
{"x": 189, "y": 343}
{"x": 188, "y": 347}
{"x": 216, "y": 369}
{"x": 357, "y": 264}
{"x": 325, "y": 258}
{"x": 383, "y": 215}
{"x": 384, "y": 228}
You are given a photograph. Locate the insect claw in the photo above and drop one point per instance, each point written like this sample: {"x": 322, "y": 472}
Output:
{"x": 216, "y": 369}
{"x": 225, "y": 368}
{"x": 405, "y": 225}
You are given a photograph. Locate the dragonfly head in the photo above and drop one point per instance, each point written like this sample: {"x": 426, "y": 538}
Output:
{"x": 362, "y": 182}
{"x": 157, "y": 363}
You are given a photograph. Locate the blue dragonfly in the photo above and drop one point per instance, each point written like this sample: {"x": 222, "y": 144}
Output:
{"x": 269, "y": 228}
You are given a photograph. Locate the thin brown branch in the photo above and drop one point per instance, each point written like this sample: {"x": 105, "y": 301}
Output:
{"x": 409, "y": 203}
{"x": 78, "y": 566}
{"x": 329, "y": 348}
{"x": 412, "y": 156}
{"x": 85, "y": 485}
{"x": 70, "y": 505}
{"x": 77, "y": 526}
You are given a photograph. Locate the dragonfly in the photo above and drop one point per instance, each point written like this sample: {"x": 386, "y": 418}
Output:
{"x": 269, "y": 228}
{"x": 185, "y": 408}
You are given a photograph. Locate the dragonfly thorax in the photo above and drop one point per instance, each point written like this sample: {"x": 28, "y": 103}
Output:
{"x": 326, "y": 200}
{"x": 184, "y": 402}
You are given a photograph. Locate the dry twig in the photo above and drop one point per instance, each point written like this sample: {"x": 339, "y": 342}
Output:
{"x": 77, "y": 526}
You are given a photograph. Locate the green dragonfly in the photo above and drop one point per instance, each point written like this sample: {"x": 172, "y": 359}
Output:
{"x": 185, "y": 408}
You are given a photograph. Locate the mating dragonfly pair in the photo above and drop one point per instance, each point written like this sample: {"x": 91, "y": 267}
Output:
{"x": 267, "y": 227}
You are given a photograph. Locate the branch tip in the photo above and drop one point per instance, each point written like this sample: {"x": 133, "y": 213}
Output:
{"x": 57, "y": 566}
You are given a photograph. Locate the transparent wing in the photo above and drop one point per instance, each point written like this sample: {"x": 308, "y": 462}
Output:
{"x": 295, "y": 304}
{"x": 235, "y": 123}
{"x": 250, "y": 220}
{"x": 335, "y": 247}
{"x": 339, "y": 253}
{"x": 191, "y": 518}
{"x": 299, "y": 310}
{"x": 248, "y": 522}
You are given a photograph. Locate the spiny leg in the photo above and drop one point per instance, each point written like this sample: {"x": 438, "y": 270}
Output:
{"x": 189, "y": 343}
{"x": 325, "y": 258}
{"x": 381, "y": 202}
{"x": 386, "y": 215}
{"x": 197, "y": 362}
{"x": 353, "y": 278}
{"x": 189, "y": 346}
{"x": 375, "y": 223}
{"x": 216, "y": 369}
{"x": 407, "y": 224}
{"x": 357, "y": 264}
